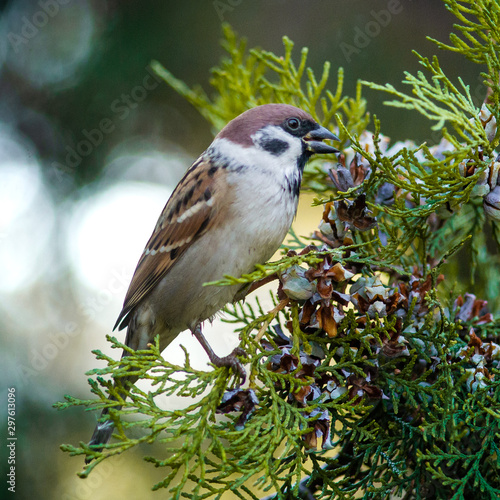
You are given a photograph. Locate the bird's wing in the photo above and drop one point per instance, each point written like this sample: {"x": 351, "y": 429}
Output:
{"x": 188, "y": 214}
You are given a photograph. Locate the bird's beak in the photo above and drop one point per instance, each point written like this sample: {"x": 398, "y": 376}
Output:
{"x": 314, "y": 138}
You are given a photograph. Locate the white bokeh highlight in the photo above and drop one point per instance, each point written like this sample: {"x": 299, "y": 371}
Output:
{"x": 26, "y": 215}
{"x": 48, "y": 42}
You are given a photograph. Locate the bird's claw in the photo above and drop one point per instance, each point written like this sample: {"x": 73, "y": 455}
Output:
{"x": 233, "y": 362}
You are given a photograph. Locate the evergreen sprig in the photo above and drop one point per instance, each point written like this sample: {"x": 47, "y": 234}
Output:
{"x": 374, "y": 374}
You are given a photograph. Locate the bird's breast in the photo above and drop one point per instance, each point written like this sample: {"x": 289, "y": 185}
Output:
{"x": 255, "y": 221}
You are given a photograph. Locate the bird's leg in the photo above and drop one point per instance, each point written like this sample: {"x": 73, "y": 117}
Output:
{"x": 230, "y": 360}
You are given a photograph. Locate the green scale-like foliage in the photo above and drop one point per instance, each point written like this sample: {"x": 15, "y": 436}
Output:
{"x": 374, "y": 375}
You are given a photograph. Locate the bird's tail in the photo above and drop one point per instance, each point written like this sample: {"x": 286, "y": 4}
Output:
{"x": 105, "y": 426}
{"x": 103, "y": 431}
{"x": 136, "y": 340}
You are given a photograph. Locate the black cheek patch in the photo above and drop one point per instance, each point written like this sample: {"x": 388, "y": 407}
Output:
{"x": 274, "y": 146}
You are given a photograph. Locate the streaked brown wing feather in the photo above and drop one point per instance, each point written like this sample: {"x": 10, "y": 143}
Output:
{"x": 187, "y": 215}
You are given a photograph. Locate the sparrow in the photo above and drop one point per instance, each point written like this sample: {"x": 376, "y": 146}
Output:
{"x": 230, "y": 211}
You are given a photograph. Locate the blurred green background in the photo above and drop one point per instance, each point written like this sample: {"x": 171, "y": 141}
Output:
{"x": 91, "y": 145}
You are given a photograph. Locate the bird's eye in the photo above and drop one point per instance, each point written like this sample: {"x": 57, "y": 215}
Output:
{"x": 293, "y": 123}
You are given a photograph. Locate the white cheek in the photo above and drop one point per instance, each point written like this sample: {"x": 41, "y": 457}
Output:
{"x": 280, "y": 167}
